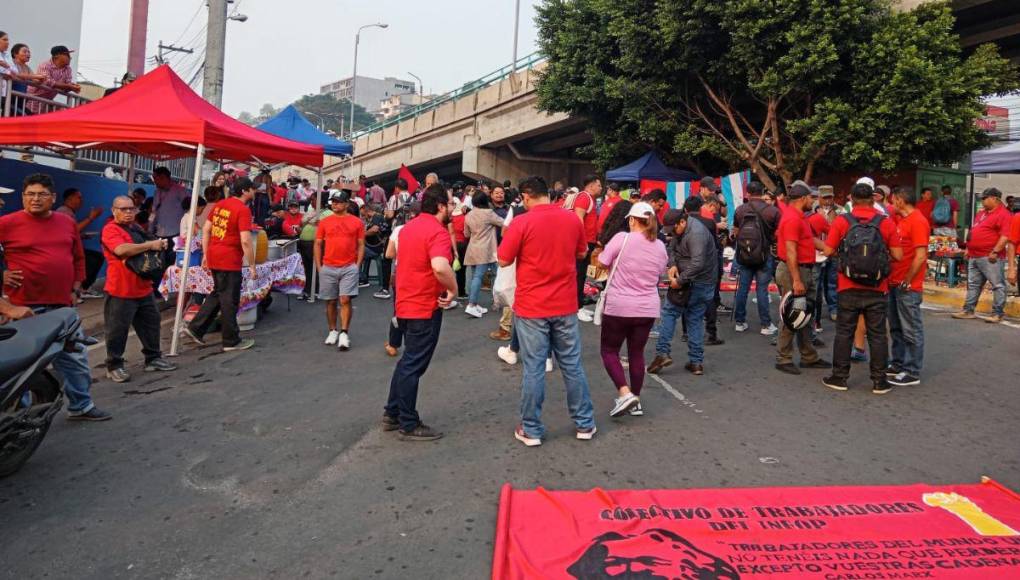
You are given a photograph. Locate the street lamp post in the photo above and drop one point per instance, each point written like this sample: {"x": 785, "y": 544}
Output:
{"x": 322, "y": 122}
{"x": 421, "y": 88}
{"x": 354, "y": 78}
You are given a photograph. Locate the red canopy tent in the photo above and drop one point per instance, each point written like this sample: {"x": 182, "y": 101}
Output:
{"x": 158, "y": 116}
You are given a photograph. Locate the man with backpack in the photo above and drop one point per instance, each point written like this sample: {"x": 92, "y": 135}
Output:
{"x": 866, "y": 244}
{"x": 755, "y": 223}
{"x": 945, "y": 212}
{"x": 796, "y": 274}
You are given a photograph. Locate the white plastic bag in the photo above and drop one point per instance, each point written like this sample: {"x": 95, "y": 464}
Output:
{"x": 504, "y": 286}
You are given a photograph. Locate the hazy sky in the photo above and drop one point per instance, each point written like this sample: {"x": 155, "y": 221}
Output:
{"x": 288, "y": 48}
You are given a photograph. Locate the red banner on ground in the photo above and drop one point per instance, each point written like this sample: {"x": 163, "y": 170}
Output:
{"x": 831, "y": 533}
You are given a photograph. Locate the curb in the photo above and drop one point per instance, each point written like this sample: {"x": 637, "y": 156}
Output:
{"x": 952, "y": 298}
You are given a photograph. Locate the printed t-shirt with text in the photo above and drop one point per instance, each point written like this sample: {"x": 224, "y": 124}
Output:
{"x": 228, "y": 219}
{"x": 988, "y": 227}
{"x": 341, "y": 234}
{"x": 545, "y": 243}
{"x": 120, "y": 281}
{"x": 913, "y": 231}
{"x": 418, "y": 289}
{"x": 838, "y": 230}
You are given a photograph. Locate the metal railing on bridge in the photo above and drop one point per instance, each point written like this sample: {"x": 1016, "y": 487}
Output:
{"x": 524, "y": 63}
{"x": 20, "y": 102}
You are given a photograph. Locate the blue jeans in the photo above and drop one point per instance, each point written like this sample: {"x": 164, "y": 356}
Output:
{"x": 906, "y": 330}
{"x": 77, "y": 378}
{"x": 980, "y": 270}
{"x": 420, "y": 339}
{"x": 762, "y": 277}
{"x": 477, "y": 273}
{"x": 702, "y": 294}
{"x": 826, "y": 287}
{"x": 563, "y": 334}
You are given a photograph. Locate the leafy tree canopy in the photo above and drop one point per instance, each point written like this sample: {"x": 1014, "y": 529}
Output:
{"x": 322, "y": 110}
{"x": 781, "y": 86}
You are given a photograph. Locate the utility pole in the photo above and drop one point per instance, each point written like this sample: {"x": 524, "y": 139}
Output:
{"x": 215, "y": 48}
{"x": 164, "y": 48}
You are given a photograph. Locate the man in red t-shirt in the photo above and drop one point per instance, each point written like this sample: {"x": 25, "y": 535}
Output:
{"x": 129, "y": 299}
{"x": 583, "y": 205}
{"x": 425, "y": 284}
{"x": 926, "y": 204}
{"x": 906, "y": 291}
{"x": 795, "y": 273}
{"x": 227, "y": 244}
{"x": 47, "y": 265}
{"x": 986, "y": 250}
{"x": 855, "y": 298}
{"x": 544, "y": 243}
{"x": 339, "y": 251}
{"x": 612, "y": 198}
{"x": 1014, "y": 242}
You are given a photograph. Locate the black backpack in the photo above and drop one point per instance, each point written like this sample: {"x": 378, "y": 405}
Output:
{"x": 752, "y": 240}
{"x": 863, "y": 255}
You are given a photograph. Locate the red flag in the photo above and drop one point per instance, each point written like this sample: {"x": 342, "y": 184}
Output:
{"x": 406, "y": 175}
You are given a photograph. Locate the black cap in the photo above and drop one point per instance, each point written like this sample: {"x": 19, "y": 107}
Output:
{"x": 60, "y": 49}
{"x": 673, "y": 217}
{"x": 293, "y": 203}
{"x": 276, "y": 207}
{"x": 341, "y": 196}
{"x": 243, "y": 183}
{"x": 798, "y": 189}
{"x": 991, "y": 192}
{"x": 709, "y": 184}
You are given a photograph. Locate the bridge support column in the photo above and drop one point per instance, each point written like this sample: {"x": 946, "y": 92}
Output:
{"x": 501, "y": 164}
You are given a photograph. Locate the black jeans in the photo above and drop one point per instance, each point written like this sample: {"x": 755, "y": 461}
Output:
{"x": 225, "y": 298}
{"x": 852, "y": 304}
{"x": 120, "y": 314}
{"x": 93, "y": 264}
{"x": 307, "y": 249}
{"x": 461, "y": 274}
{"x": 582, "y": 275}
{"x": 712, "y": 314}
{"x": 420, "y": 339}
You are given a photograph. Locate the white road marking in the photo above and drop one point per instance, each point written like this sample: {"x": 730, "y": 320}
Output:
{"x": 676, "y": 394}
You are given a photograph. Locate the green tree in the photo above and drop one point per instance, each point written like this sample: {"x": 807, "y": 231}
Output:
{"x": 784, "y": 87}
{"x": 331, "y": 111}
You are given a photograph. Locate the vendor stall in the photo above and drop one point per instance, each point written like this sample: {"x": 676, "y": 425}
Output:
{"x": 160, "y": 117}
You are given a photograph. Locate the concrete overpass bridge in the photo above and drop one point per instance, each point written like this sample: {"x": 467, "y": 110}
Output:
{"x": 489, "y": 128}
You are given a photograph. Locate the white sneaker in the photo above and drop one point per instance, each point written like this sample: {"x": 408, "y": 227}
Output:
{"x": 481, "y": 309}
{"x": 740, "y": 327}
{"x": 587, "y": 434}
{"x": 343, "y": 342}
{"x": 453, "y": 304}
{"x": 770, "y": 331}
{"x": 623, "y": 404}
{"x": 472, "y": 310}
{"x": 548, "y": 365}
{"x": 585, "y": 315}
{"x": 637, "y": 411}
{"x": 506, "y": 355}
{"x": 332, "y": 337}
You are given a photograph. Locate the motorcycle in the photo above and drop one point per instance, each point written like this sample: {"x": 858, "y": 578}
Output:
{"x": 30, "y": 395}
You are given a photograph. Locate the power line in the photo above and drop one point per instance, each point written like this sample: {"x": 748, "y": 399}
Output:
{"x": 194, "y": 16}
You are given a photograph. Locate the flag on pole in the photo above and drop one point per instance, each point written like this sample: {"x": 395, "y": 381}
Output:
{"x": 412, "y": 184}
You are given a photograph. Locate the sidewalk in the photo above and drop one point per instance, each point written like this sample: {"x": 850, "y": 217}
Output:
{"x": 91, "y": 313}
{"x": 952, "y": 298}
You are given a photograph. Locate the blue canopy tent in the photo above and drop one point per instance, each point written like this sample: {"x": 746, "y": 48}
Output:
{"x": 291, "y": 124}
{"x": 649, "y": 166}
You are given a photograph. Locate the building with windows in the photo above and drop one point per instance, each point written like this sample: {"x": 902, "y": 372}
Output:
{"x": 370, "y": 91}
{"x": 397, "y": 104}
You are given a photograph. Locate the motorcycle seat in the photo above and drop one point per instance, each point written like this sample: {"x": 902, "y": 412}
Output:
{"x": 30, "y": 338}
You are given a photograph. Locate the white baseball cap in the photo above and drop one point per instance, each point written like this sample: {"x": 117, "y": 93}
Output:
{"x": 641, "y": 210}
{"x": 6, "y": 190}
{"x": 867, "y": 181}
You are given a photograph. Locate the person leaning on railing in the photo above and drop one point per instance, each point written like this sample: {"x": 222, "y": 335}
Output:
{"x": 19, "y": 74}
{"x": 58, "y": 76}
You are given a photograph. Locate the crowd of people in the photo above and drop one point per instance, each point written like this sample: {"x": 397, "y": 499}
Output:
{"x": 545, "y": 252}
{"x": 37, "y": 88}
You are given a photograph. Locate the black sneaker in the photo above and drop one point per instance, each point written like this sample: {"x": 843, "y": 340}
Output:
{"x": 818, "y": 364}
{"x": 714, "y": 341}
{"x": 390, "y": 423}
{"x": 186, "y": 331}
{"x": 881, "y": 387}
{"x": 420, "y": 433}
{"x": 160, "y": 364}
{"x": 892, "y": 370}
{"x": 364, "y": 284}
{"x": 835, "y": 383}
{"x": 904, "y": 380}
{"x": 788, "y": 368}
{"x": 93, "y": 414}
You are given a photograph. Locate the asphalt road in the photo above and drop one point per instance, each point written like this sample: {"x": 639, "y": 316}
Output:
{"x": 270, "y": 463}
